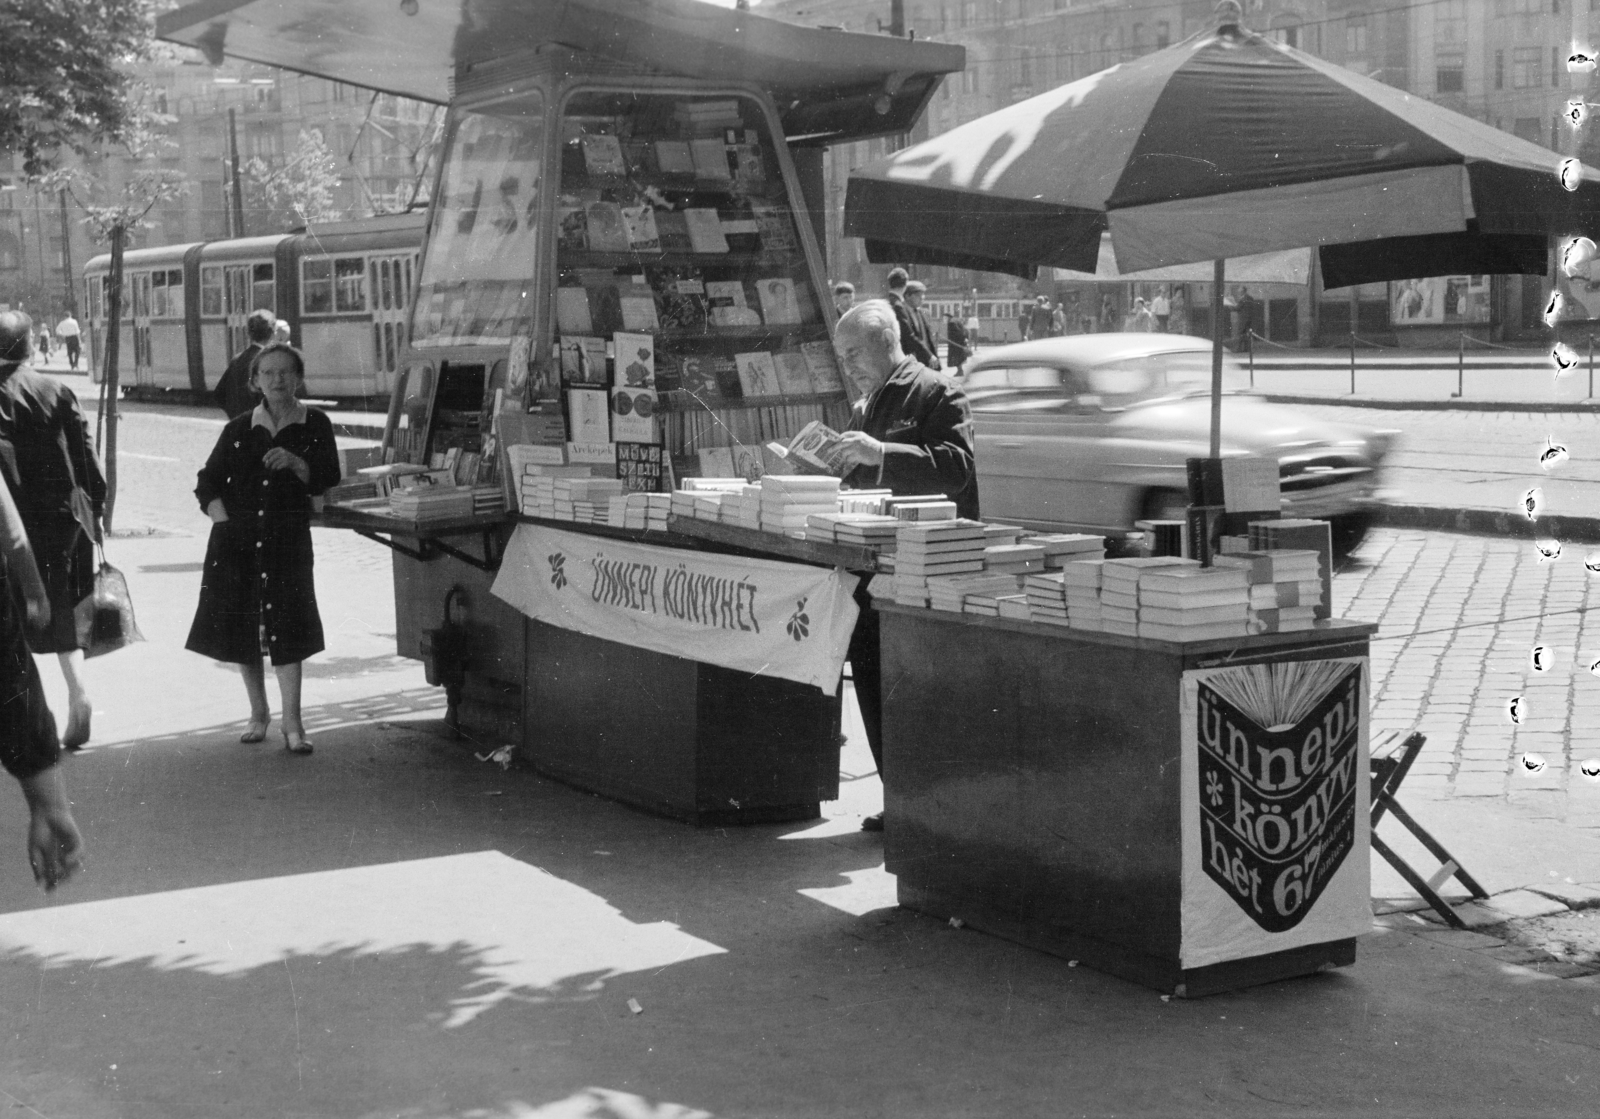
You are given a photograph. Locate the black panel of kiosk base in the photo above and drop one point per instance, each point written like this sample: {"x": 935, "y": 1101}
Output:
{"x": 677, "y": 737}
{"x": 1032, "y": 790}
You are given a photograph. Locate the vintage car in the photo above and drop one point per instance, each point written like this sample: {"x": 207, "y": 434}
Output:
{"x": 1090, "y": 433}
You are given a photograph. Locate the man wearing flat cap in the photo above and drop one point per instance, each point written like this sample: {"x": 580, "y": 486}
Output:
{"x": 916, "y": 336}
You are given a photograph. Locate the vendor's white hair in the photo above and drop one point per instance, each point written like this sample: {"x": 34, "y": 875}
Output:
{"x": 873, "y": 315}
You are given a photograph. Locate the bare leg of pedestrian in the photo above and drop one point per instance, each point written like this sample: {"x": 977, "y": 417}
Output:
{"x": 255, "y": 686}
{"x": 79, "y": 709}
{"x": 294, "y": 731}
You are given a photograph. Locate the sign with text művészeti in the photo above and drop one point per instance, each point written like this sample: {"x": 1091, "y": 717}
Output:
{"x": 1275, "y": 818}
{"x": 759, "y": 616}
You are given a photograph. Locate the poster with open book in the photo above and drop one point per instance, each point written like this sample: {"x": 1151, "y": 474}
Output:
{"x": 676, "y": 234}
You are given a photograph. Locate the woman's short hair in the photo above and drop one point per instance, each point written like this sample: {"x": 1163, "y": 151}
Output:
{"x": 279, "y": 348}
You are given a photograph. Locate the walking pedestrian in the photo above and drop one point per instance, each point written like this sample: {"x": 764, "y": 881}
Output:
{"x": 56, "y": 481}
{"x": 258, "y": 595}
{"x": 1161, "y": 309}
{"x": 233, "y": 394}
{"x": 912, "y": 338}
{"x": 916, "y": 292}
{"x": 1108, "y": 315}
{"x": 958, "y": 348}
{"x": 68, "y": 331}
{"x": 44, "y": 344}
{"x": 29, "y": 749}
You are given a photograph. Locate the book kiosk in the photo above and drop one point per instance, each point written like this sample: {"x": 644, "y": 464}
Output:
{"x": 620, "y": 271}
{"x": 618, "y": 275}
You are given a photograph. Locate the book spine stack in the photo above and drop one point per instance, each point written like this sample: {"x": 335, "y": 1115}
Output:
{"x": 1119, "y": 591}
{"x": 787, "y": 500}
{"x": 995, "y": 536}
{"x": 927, "y": 549}
{"x": 978, "y": 593}
{"x": 1080, "y": 584}
{"x": 1193, "y": 603}
{"x": 617, "y": 511}
{"x": 488, "y": 501}
{"x": 862, "y": 501}
{"x": 1046, "y": 593}
{"x": 1286, "y": 590}
{"x": 1064, "y": 547}
{"x": 424, "y": 505}
{"x": 585, "y": 500}
{"x": 1015, "y": 606}
{"x": 1013, "y": 559}
{"x": 926, "y": 511}
{"x": 1298, "y": 533}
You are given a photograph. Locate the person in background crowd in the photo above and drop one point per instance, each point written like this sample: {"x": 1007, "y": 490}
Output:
{"x": 1058, "y": 320}
{"x": 958, "y": 346}
{"x": 1179, "y": 321}
{"x": 1139, "y": 318}
{"x": 28, "y": 746}
{"x": 910, "y": 432}
{"x": 233, "y": 394}
{"x": 1250, "y": 318}
{"x": 55, "y": 479}
{"x": 68, "y": 331}
{"x": 844, "y": 296}
{"x": 1040, "y": 319}
{"x": 281, "y": 331}
{"x": 1108, "y": 315}
{"x": 916, "y": 292}
{"x": 912, "y": 340}
{"x": 44, "y": 344}
{"x": 974, "y": 329}
{"x": 258, "y": 593}
{"x": 1161, "y": 310}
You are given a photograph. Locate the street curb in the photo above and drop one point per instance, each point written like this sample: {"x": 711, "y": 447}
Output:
{"x": 1438, "y": 405}
{"x": 1489, "y": 522}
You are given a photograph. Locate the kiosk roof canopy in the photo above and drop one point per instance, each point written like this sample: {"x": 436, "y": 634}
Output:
{"x": 831, "y": 86}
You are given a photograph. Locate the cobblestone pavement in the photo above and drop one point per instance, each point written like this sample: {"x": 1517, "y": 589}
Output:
{"x": 1458, "y": 619}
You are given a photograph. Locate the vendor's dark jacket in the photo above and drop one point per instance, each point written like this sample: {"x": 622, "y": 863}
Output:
{"x": 258, "y": 568}
{"x": 916, "y": 336}
{"x": 923, "y": 421}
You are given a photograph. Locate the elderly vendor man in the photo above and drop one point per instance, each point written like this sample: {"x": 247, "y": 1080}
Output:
{"x": 910, "y": 432}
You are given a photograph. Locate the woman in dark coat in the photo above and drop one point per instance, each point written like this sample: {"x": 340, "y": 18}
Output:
{"x": 258, "y": 594}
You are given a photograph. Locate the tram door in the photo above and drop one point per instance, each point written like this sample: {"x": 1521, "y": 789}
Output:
{"x": 391, "y": 294}
{"x": 141, "y": 329}
{"x": 236, "y": 304}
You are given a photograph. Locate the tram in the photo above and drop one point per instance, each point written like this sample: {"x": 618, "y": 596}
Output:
{"x": 343, "y": 288}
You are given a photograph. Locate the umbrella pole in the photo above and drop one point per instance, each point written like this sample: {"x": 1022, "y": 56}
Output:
{"x": 1217, "y": 327}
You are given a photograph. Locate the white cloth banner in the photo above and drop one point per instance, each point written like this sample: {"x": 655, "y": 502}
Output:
{"x": 1274, "y": 814}
{"x": 755, "y": 615}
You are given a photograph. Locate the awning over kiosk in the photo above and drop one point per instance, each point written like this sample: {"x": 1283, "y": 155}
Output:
{"x": 830, "y": 86}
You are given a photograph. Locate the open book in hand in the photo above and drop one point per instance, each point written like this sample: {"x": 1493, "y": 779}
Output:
{"x": 811, "y": 451}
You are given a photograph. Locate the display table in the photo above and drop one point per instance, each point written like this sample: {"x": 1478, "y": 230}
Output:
{"x": 676, "y": 677}
{"x": 1099, "y": 798}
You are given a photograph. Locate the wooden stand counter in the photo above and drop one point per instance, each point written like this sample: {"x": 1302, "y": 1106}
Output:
{"x": 1034, "y": 788}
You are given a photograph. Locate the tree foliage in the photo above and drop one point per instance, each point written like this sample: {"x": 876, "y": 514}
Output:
{"x": 295, "y": 193}
{"x": 61, "y": 85}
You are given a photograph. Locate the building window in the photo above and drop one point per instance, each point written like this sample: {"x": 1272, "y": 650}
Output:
{"x": 1286, "y": 30}
{"x": 1499, "y": 69}
{"x": 1526, "y": 67}
{"x": 1449, "y": 73}
{"x": 1355, "y": 35}
{"x": 1555, "y": 67}
{"x": 1163, "y": 34}
{"x": 1528, "y": 128}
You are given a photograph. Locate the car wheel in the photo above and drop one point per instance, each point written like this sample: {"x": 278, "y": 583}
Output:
{"x": 1164, "y": 505}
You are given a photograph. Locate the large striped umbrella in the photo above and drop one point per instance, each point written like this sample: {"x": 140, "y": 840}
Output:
{"x": 1225, "y": 145}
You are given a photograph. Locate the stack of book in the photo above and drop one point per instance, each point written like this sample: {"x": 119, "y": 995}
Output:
{"x": 972, "y": 593}
{"x": 870, "y": 530}
{"x": 1193, "y": 603}
{"x": 1080, "y": 582}
{"x": 862, "y": 501}
{"x": 708, "y": 504}
{"x": 926, "y": 511}
{"x": 930, "y": 548}
{"x": 488, "y": 501}
{"x": 1119, "y": 590}
{"x": 617, "y": 511}
{"x": 536, "y": 486}
{"x": 657, "y": 507}
{"x": 1015, "y": 606}
{"x": 1064, "y": 547}
{"x": 787, "y": 500}
{"x": 1300, "y": 533}
{"x": 585, "y": 500}
{"x": 1013, "y": 559}
{"x": 996, "y": 535}
{"x": 433, "y": 503}
{"x": 1285, "y": 587}
{"x": 1047, "y": 597}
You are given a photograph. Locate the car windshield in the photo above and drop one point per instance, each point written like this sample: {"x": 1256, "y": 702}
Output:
{"x": 1037, "y": 387}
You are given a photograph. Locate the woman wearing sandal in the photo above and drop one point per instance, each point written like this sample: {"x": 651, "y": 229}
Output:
{"x": 257, "y": 595}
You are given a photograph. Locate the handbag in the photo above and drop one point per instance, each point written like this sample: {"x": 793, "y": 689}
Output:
{"x": 104, "y": 618}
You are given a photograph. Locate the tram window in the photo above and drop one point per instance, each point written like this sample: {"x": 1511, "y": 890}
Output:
{"x": 350, "y": 284}
{"x": 158, "y": 294}
{"x": 386, "y": 275}
{"x": 316, "y": 285}
{"x": 211, "y": 291}
{"x": 141, "y": 294}
{"x": 175, "y": 293}
{"x": 263, "y": 292}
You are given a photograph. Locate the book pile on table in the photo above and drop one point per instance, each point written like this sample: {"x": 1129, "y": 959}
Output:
{"x": 1015, "y": 606}
{"x": 787, "y": 500}
{"x": 488, "y": 501}
{"x": 708, "y": 504}
{"x": 617, "y": 511}
{"x": 1193, "y": 603}
{"x": 1046, "y": 594}
{"x": 867, "y": 530}
{"x": 930, "y": 548}
{"x": 996, "y": 535}
{"x": 972, "y": 593}
{"x": 925, "y": 510}
{"x": 1296, "y": 533}
{"x": 1119, "y": 590}
{"x": 744, "y": 508}
{"x": 1284, "y": 588}
{"x": 585, "y": 500}
{"x": 1013, "y": 559}
{"x": 863, "y": 501}
{"x": 536, "y": 487}
{"x": 647, "y": 511}
{"x": 1064, "y": 547}
{"x": 431, "y": 503}
{"x": 1080, "y": 582}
